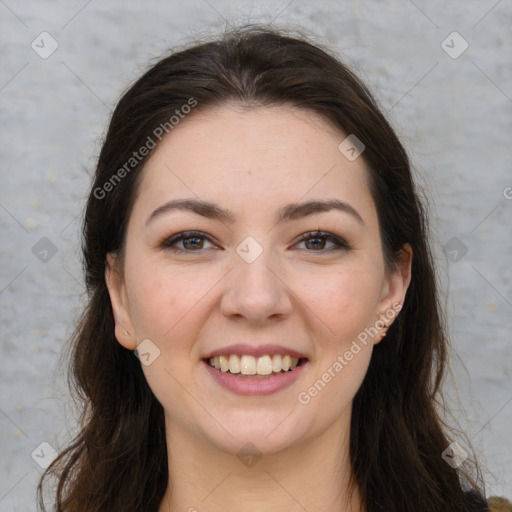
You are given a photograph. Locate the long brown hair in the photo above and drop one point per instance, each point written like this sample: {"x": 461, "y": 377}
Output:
{"x": 118, "y": 460}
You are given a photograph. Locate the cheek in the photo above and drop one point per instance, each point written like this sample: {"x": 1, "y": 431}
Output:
{"x": 346, "y": 306}
{"x": 162, "y": 298}
{"x": 165, "y": 303}
{"x": 345, "y": 300}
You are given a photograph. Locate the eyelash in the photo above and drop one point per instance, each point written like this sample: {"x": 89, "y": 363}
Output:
{"x": 168, "y": 243}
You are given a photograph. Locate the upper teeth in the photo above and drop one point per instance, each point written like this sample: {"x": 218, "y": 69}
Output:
{"x": 250, "y": 365}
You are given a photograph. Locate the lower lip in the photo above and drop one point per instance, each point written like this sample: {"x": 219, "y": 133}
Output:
{"x": 256, "y": 386}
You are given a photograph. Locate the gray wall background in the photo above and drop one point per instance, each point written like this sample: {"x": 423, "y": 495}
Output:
{"x": 452, "y": 110}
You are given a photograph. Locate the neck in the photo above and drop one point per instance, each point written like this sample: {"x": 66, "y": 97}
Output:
{"x": 310, "y": 476}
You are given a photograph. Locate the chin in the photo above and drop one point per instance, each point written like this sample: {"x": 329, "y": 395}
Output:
{"x": 263, "y": 433}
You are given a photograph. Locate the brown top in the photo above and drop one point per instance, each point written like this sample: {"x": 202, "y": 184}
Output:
{"x": 499, "y": 504}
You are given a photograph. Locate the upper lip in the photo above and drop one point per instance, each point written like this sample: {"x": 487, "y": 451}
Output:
{"x": 258, "y": 351}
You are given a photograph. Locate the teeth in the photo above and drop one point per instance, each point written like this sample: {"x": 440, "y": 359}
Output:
{"x": 234, "y": 364}
{"x": 276, "y": 363}
{"x": 264, "y": 365}
{"x": 249, "y": 365}
{"x": 224, "y": 363}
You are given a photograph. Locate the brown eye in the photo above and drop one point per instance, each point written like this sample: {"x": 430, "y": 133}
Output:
{"x": 192, "y": 241}
{"x": 317, "y": 240}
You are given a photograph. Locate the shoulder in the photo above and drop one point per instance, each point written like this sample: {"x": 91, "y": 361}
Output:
{"x": 499, "y": 505}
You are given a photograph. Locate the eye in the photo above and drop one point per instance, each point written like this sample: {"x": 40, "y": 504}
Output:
{"x": 193, "y": 241}
{"x": 317, "y": 240}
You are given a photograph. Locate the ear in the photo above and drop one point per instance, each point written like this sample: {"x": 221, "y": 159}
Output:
{"x": 117, "y": 290}
{"x": 394, "y": 290}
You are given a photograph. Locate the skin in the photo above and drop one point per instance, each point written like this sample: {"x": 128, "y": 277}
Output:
{"x": 298, "y": 294}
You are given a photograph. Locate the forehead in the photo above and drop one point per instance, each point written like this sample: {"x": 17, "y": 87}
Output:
{"x": 252, "y": 159}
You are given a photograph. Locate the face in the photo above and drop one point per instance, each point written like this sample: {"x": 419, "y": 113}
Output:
{"x": 261, "y": 275}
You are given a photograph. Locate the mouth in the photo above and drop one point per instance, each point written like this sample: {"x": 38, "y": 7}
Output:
{"x": 248, "y": 375}
{"x": 251, "y": 367}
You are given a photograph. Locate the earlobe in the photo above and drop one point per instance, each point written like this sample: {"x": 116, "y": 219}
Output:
{"x": 124, "y": 331}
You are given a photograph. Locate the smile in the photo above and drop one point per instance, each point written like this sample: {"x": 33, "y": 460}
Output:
{"x": 248, "y": 375}
{"x": 250, "y": 365}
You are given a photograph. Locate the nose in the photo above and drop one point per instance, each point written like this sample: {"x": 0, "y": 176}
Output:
{"x": 256, "y": 291}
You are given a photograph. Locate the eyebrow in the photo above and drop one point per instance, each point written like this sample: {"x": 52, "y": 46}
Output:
{"x": 289, "y": 212}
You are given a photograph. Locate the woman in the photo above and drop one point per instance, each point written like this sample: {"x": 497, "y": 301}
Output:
{"x": 263, "y": 330}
